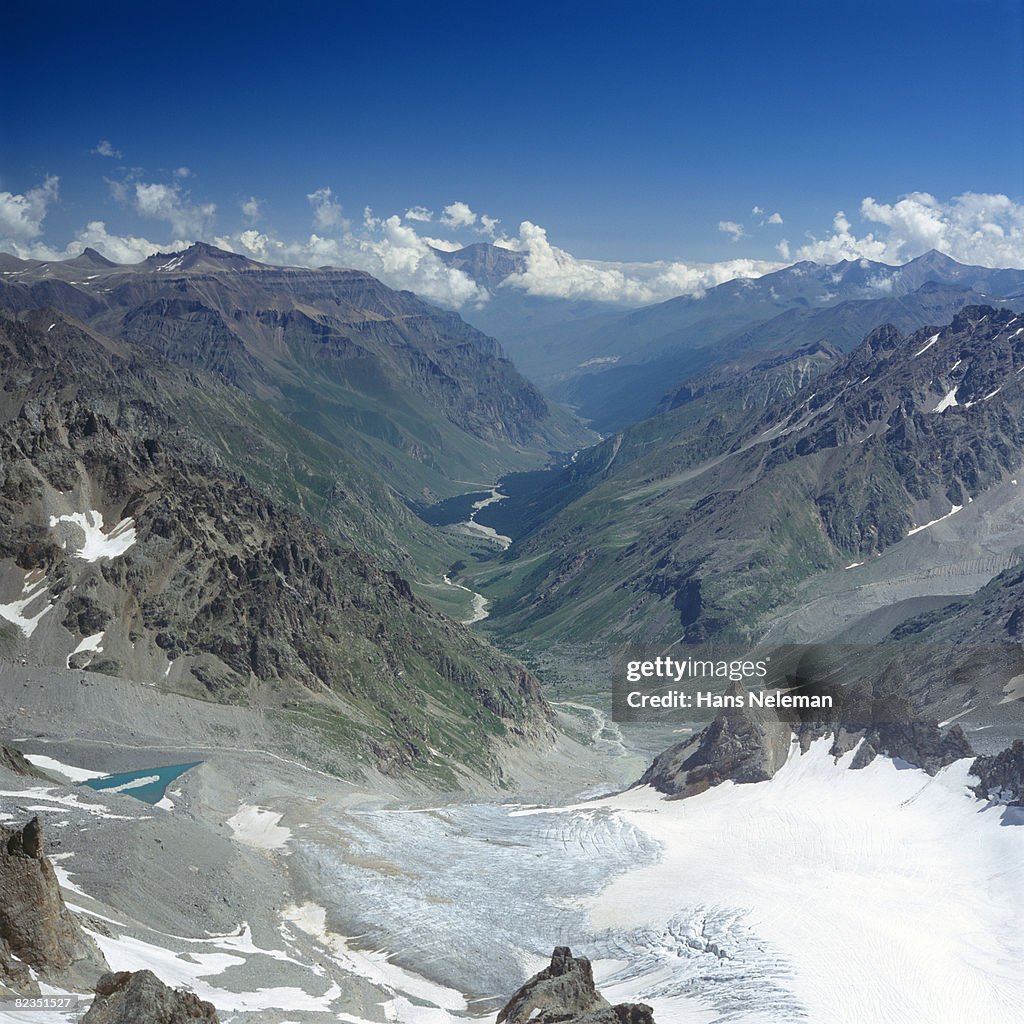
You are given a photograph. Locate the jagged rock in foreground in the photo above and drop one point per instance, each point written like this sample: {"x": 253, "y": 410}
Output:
{"x": 565, "y": 992}
{"x": 35, "y": 925}
{"x": 922, "y": 744}
{"x": 1001, "y": 776}
{"x": 140, "y": 997}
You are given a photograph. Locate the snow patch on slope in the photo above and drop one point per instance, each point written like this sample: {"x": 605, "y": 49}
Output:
{"x": 174, "y": 969}
{"x": 92, "y": 643}
{"x": 952, "y": 512}
{"x": 375, "y": 966}
{"x": 68, "y": 771}
{"x": 257, "y": 827}
{"x": 948, "y": 401}
{"x": 33, "y": 592}
{"x": 83, "y": 537}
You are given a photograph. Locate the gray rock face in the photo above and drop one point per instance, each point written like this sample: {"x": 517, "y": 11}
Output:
{"x": 140, "y": 997}
{"x": 36, "y": 927}
{"x": 1001, "y": 776}
{"x": 751, "y": 744}
{"x": 486, "y": 264}
{"x": 918, "y": 743}
{"x": 15, "y": 761}
{"x": 564, "y": 992}
{"x": 742, "y": 745}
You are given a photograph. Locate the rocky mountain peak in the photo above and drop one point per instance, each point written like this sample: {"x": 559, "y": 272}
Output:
{"x": 935, "y": 260}
{"x": 485, "y": 263}
{"x": 200, "y": 256}
{"x": 90, "y": 257}
{"x": 565, "y": 992}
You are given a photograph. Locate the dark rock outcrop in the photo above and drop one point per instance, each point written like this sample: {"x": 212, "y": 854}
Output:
{"x": 36, "y": 929}
{"x": 140, "y": 997}
{"x": 15, "y": 761}
{"x": 749, "y": 744}
{"x": 1001, "y": 776}
{"x": 564, "y": 992}
{"x": 741, "y": 745}
{"x": 922, "y": 744}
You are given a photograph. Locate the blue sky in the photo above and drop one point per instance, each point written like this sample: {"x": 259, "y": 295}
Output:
{"x": 639, "y": 132}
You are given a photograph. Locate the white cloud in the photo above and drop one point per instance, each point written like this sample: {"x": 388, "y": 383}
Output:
{"x": 255, "y": 242}
{"x": 252, "y": 209}
{"x": 458, "y": 215}
{"x": 22, "y": 214}
{"x": 104, "y": 148}
{"x": 183, "y": 172}
{"x": 730, "y": 227}
{"x": 977, "y": 228}
{"x": 386, "y": 247}
{"x": 444, "y": 244}
{"x": 94, "y": 235}
{"x": 393, "y": 251}
{"x": 169, "y": 203}
{"x": 326, "y": 209}
{"x": 973, "y": 228}
{"x": 555, "y": 273}
{"x": 763, "y": 219}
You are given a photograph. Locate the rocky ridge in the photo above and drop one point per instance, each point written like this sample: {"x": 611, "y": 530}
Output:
{"x": 411, "y": 390}
{"x": 872, "y": 713}
{"x": 15, "y": 761}
{"x": 564, "y": 993}
{"x": 129, "y": 548}
{"x": 1001, "y": 776}
{"x": 39, "y": 937}
{"x": 779, "y": 307}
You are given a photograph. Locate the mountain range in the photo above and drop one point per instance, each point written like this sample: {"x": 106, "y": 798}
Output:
{"x": 404, "y": 387}
{"x": 612, "y": 365}
{"x": 161, "y": 524}
{"x": 225, "y": 558}
{"x": 814, "y": 494}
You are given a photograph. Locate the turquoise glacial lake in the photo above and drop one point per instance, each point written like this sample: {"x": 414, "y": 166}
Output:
{"x": 146, "y": 784}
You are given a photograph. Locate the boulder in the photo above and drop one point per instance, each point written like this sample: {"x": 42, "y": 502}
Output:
{"x": 140, "y": 997}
